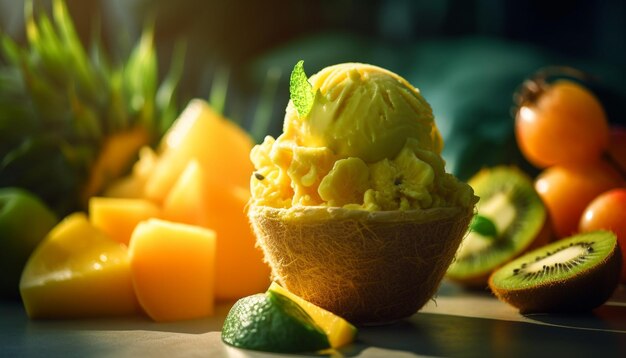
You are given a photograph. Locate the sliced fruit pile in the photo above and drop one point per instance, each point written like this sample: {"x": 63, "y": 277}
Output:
{"x": 280, "y": 321}
{"x": 175, "y": 227}
{"x": 200, "y": 176}
{"x": 560, "y": 127}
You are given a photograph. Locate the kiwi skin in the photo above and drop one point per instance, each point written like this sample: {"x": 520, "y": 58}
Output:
{"x": 581, "y": 293}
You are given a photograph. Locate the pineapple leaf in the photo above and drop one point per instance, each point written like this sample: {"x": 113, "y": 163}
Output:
{"x": 219, "y": 88}
{"x": 76, "y": 53}
{"x": 61, "y": 104}
{"x": 166, "y": 94}
{"x": 116, "y": 116}
{"x": 52, "y": 52}
{"x": 11, "y": 51}
{"x": 86, "y": 123}
{"x": 263, "y": 115}
{"x": 140, "y": 77}
{"x": 32, "y": 33}
{"x": 98, "y": 56}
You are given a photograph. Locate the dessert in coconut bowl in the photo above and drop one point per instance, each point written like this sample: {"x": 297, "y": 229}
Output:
{"x": 351, "y": 204}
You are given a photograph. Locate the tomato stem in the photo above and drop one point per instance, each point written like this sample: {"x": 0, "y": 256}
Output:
{"x": 532, "y": 88}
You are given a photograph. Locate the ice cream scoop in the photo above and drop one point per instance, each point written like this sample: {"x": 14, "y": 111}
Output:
{"x": 351, "y": 204}
{"x": 363, "y": 111}
{"x": 368, "y": 140}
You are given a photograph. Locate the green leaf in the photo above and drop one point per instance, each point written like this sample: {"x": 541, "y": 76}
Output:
{"x": 75, "y": 50}
{"x": 166, "y": 94}
{"x": 53, "y": 61}
{"x": 263, "y": 114}
{"x": 483, "y": 226}
{"x": 140, "y": 78}
{"x": 116, "y": 116}
{"x": 219, "y": 88}
{"x": 300, "y": 90}
{"x": 11, "y": 51}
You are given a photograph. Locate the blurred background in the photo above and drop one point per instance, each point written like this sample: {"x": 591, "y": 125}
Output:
{"x": 466, "y": 56}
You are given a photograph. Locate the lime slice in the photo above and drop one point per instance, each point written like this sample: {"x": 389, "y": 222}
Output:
{"x": 273, "y": 323}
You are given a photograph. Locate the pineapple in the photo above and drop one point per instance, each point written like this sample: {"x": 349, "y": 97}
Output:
{"x": 71, "y": 121}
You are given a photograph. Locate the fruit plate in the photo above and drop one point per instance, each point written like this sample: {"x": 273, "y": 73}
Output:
{"x": 457, "y": 323}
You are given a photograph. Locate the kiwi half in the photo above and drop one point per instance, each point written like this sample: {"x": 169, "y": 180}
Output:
{"x": 510, "y": 204}
{"x": 578, "y": 273}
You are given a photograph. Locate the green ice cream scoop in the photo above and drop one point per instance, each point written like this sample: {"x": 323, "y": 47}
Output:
{"x": 363, "y": 111}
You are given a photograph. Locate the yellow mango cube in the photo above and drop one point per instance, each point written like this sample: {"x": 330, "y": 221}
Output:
{"x": 219, "y": 145}
{"x": 118, "y": 217}
{"x": 241, "y": 269}
{"x": 185, "y": 202}
{"x": 132, "y": 186}
{"x": 198, "y": 198}
{"x": 173, "y": 269}
{"x": 77, "y": 271}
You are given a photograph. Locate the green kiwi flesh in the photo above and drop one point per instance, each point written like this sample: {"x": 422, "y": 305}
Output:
{"x": 574, "y": 274}
{"x": 508, "y": 198}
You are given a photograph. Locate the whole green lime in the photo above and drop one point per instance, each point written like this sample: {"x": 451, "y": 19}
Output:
{"x": 272, "y": 322}
{"x": 24, "y": 222}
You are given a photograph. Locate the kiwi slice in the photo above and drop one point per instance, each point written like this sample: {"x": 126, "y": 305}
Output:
{"x": 510, "y": 220}
{"x": 578, "y": 273}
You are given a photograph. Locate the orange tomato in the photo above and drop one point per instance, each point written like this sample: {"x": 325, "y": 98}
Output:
{"x": 566, "y": 125}
{"x": 608, "y": 212}
{"x": 566, "y": 191}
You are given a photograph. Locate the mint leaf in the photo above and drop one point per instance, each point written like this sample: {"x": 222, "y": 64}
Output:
{"x": 300, "y": 90}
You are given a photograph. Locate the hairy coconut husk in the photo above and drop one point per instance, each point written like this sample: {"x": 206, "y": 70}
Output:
{"x": 368, "y": 267}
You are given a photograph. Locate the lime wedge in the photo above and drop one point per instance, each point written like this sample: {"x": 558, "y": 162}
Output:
{"x": 339, "y": 331}
{"x": 272, "y": 322}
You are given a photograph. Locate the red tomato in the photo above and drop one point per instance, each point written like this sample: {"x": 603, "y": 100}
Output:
{"x": 608, "y": 212}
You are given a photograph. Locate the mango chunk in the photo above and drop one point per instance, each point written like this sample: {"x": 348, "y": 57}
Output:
{"x": 219, "y": 145}
{"x": 77, "y": 271}
{"x": 173, "y": 269}
{"x": 185, "y": 202}
{"x": 241, "y": 270}
{"x": 118, "y": 217}
{"x": 198, "y": 198}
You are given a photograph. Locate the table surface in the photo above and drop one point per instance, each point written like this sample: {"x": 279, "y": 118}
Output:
{"x": 456, "y": 323}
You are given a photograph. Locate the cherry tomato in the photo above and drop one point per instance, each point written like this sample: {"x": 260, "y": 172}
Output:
{"x": 608, "y": 212}
{"x": 565, "y": 125}
{"x": 566, "y": 191}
